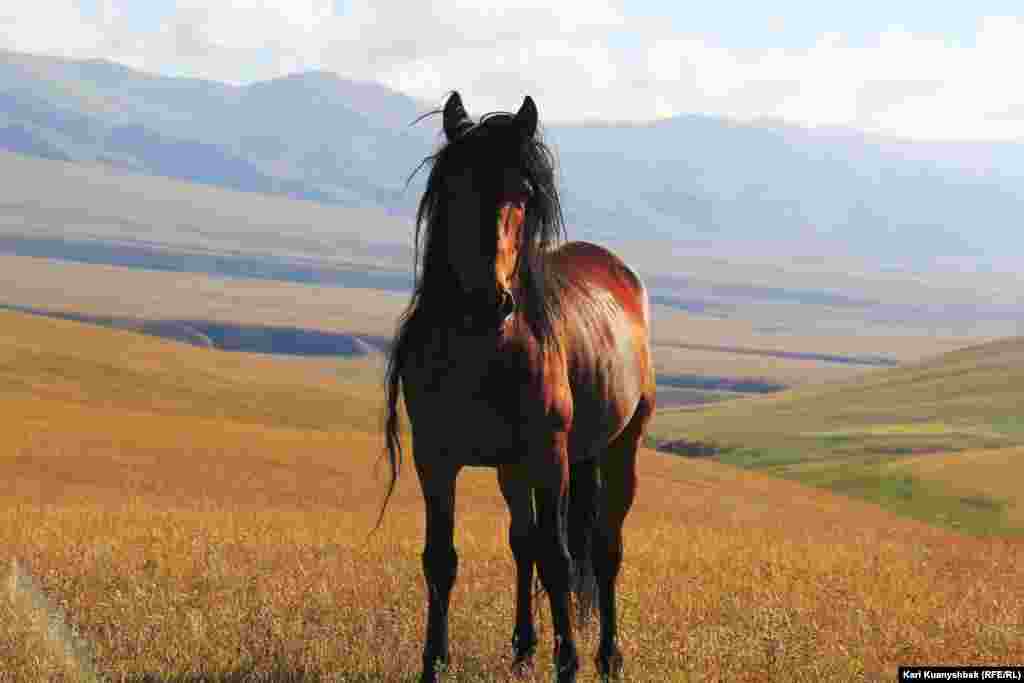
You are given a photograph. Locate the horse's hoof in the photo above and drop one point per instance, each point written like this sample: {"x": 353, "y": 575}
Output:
{"x": 567, "y": 676}
{"x": 523, "y": 650}
{"x": 433, "y": 673}
{"x": 566, "y": 672}
{"x": 522, "y": 667}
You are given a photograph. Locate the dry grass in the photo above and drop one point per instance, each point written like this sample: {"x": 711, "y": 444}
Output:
{"x": 676, "y": 361}
{"x": 226, "y": 587}
{"x": 198, "y": 536}
{"x": 673, "y": 327}
{"x": 118, "y": 291}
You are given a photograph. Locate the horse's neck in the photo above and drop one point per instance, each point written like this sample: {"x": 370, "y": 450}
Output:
{"x": 449, "y": 350}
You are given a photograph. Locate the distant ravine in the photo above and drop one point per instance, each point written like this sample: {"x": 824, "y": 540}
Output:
{"x": 295, "y": 341}
{"x": 288, "y": 341}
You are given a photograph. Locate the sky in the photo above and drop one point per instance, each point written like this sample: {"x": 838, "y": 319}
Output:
{"x": 916, "y": 69}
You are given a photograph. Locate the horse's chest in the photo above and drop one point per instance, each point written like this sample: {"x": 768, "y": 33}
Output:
{"x": 481, "y": 400}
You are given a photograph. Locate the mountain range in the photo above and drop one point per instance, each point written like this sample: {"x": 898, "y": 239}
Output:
{"x": 695, "y": 183}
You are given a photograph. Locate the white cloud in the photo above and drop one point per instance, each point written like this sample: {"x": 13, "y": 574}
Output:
{"x": 487, "y": 51}
{"x": 903, "y": 84}
{"x": 55, "y": 27}
{"x": 288, "y": 25}
{"x": 567, "y": 56}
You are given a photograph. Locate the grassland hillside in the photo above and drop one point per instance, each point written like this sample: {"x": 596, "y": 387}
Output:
{"x": 205, "y": 516}
{"x": 883, "y": 434}
{"x": 689, "y": 349}
{"x": 95, "y": 214}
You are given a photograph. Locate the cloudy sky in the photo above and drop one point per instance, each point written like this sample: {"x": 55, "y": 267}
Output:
{"x": 914, "y": 68}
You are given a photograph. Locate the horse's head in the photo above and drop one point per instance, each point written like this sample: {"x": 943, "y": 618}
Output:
{"x": 490, "y": 202}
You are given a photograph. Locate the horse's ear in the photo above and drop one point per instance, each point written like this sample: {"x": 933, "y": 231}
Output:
{"x": 455, "y": 116}
{"x": 527, "y": 117}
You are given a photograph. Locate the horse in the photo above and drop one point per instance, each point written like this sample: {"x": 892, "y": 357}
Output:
{"x": 525, "y": 353}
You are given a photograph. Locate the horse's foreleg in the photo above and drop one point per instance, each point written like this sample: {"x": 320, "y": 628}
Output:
{"x": 552, "y": 497}
{"x": 522, "y": 538}
{"x": 440, "y": 562}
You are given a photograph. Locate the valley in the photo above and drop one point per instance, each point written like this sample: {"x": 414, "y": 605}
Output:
{"x": 197, "y": 295}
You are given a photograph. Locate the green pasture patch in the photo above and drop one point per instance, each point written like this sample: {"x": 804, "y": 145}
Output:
{"x": 906, "y": 494}
{"x": 890, "y": 429}
{"x": 865, "y": 475}
{"x": 901, "y": 440}
{"x": 1012, "y": 425}
{"x": 834, "y": 439}
{"x": 670, "y": 397}
{"x": 762, "y": 458}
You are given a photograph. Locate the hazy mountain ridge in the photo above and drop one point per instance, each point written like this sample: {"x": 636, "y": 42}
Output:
{"x": 706, "y": 184}
{"x": 310, "y": 136}
{"x": 786, "y": 191}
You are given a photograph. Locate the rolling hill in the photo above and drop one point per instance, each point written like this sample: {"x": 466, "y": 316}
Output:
{"x": 874, "y": 435}
{"x": 92, "y": 213}
{"x": 203, "y": 515}
{"x": 697, "y": 358}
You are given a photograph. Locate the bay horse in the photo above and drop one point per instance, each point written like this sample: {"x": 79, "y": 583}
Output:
{"x": 523, "y": 353}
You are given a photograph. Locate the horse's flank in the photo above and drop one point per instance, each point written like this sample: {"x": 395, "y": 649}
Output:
{"x": 606, "y": 320}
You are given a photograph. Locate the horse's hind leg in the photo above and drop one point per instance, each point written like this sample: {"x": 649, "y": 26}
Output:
{"x": 522, "y": 538}
{"x": 552, "y": 499}
{"x": 618, "y": 475}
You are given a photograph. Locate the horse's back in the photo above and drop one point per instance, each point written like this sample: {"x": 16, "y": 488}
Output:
{"x": 594, "y": 266}
{"x": 607, "y": 316}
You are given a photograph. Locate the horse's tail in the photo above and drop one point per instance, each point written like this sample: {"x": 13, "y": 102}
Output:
{"x": 392, "y": 424}
{"x": 584, "y": 499}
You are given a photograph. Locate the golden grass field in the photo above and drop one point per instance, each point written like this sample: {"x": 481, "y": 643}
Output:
{"x": 205, "y": 516}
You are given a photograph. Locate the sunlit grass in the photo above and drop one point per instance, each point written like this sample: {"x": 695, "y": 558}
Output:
{"x": 196, "y": 536}
{"x": 728, "y": 576}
